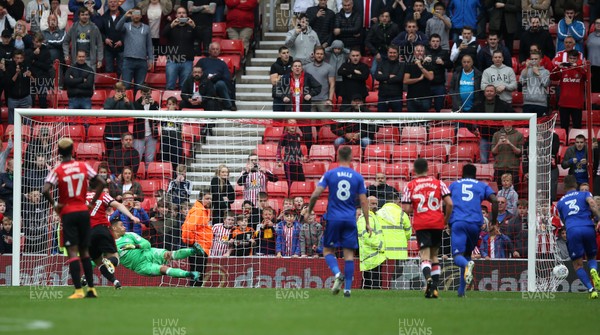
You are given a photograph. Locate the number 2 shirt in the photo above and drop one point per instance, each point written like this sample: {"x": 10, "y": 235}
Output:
{"x": 71, "y": 178}
{"x": 345, "y": 185}
{"x": 425, "y": 194}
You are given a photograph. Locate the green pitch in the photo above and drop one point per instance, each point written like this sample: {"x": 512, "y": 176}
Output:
{"x": 192, "y": 311}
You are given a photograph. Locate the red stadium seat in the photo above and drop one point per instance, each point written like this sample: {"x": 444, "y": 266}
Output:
{"x": 561, "y": 153}
{"x": 553, "y": 30}
{"x": 75, "y": 132}
{"x": 405, "y": 152}
{"x": 464, "y": 135}
{"x": 397, "y": 170}
{"x": 99, "y": 98}
{"x": 278, "y": 189}
{"x": 96, "y": 133}
{"x": 276, "y": 204}
{"x": 377, "y": 152}
{"x": 326, "y": 136}
{"x": 105, "y": 80}
{"x": 302, "y": 189}
{"x": 320, "y": 152}
{"x": 434, "y": 152}
{"x": 451, "y": 171}
{"x": 414, "y": 134}
{"x": 369, "y": 170}
{"x": 62, "y": 99}
{"x": 387, "y": 135}
{"x": 161, "y": 64}
{"x": 485, "y": 172}
{"x": 151, "y": 186}
{"x": 413, "y": 248}
{"x": 141, "y": 172}
{"x": 562, "y": 135}
{"x": 355, "y": 152}
{"x": 159, "y": 170}
{"x": 236, "y": 206}
{"x": 10, "y": 129}
{"x": 219, "y": 29}
{"x": 466, "y": 152}
{"x": 320, "y": 206}
{"x": 232, "y": 62}
{"x": 272, "y": 134}
{"x": 267, "y": 152}
{"x": 156, "y": 80}
{"x": 314, "y": 169}
{"x": 90, "y": 151}
{"x": 190, "y": 132}
{"x": 149, "y": 203}
{"x": 276, "y": 169}
{"x": 442, "y": 134}
{"x": 524, "y": 131}
{"x": 232, "y": 47}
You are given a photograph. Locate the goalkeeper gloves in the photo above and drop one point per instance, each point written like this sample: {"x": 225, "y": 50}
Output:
{"x": 129, "y": 246}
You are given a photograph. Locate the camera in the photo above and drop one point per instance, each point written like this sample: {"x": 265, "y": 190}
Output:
{"x": 566, "y": 64}
{"x": 183, "y": 20}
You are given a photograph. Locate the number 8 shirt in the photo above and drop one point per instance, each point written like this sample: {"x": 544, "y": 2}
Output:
{"x": 425, "y": 194}
{"x": 71, "y": 178}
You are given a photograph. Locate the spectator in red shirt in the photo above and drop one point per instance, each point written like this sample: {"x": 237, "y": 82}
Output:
{"x": 240, "y": 20}
{"x": 572, "y": 83}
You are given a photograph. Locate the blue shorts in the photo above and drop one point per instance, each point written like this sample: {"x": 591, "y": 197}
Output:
{"x": 464, "y": 237}
{"x": 341, "y": 234}
{"x": 581, "y": 241}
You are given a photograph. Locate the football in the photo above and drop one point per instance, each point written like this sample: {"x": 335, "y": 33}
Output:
{"x": 560, "y": 271}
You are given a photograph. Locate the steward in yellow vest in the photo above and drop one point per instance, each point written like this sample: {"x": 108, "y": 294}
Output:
{"x": 396, "y": 228}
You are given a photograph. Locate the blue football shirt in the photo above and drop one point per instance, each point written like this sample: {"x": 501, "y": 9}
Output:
{"x": 345, "y": 185}
{"x": 467, "y": 195}
{"x": 574, "y": 210}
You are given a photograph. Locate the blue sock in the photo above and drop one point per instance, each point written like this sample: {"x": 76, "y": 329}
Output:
{"x": 332, "y": 263}
{"x": 463, "y": 284}
{"x": 592, "y": 263}
{"x": 585, "y": 279}
{"x": 348, "y": 273}
{"x": 461, "y": 261}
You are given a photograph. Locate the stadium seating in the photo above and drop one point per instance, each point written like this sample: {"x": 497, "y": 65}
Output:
{"x": 314, "y": 169}
{"x": 190, "y": 132}
{"x": 562, "y": 135}
{"x": 141, "y": 172}
{"x": 98, "y": 98}
{"x": 434, "y": 152}
{"x": 369, "y": 170}
{"x": 442, "y": 134}
{"x": 405, "y": 152}
{"x": 267, "y": 151}
{"x": 150, "y": 186}
{"x": 302, "y": 189}
{"x": 466, "y": 152}
{"x": 156, "y": 80}
{"x": 75, "y": 132}
{"x": 356, "y": 156}
{"x": 168, "y": 94}
{"x": 219, "y": 30}
{"x": 161, "y": 64}
{"x": 377, "y": 152}
{"x": 159, "y": 170}
{"x": 326, "y": 136}
{"x": 397, "y": 170}
{"x": 105, "y": 80}
{"x": 387, "y": 135}
{"x": 278, "y": 189}
{"x": 464, "y": 135}
{"x": 96, "y": 133}
{"x": 415, "y": 134}
{"x": 90, "y": 151}
{"x": 320, "y": 206}
{"x": 322, "y": 152}
{"x": 451, "y": 171}
{"x": 272, "y": 134}
{"x": 155, "y": 94}
{"x": 574, "y": 132}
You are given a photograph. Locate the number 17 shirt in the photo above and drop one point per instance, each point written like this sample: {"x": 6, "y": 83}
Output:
{"x": 425, "y": 194}
{"x": 71, "y": 178}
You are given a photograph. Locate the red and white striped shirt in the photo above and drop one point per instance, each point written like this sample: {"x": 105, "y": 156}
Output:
{"x": 288, "y": 233}
{"x": 256, "y": 182}
{"x": 425, "y": 195}
{"x": 220, "y": 240}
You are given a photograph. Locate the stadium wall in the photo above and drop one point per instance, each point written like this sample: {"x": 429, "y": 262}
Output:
{"x": 490, "y": 275}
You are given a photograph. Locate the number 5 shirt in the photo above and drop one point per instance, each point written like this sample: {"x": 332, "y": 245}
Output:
{"x": 425, "y": 194}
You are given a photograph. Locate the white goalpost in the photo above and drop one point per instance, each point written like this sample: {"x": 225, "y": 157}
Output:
{"x": 538, "y": 271}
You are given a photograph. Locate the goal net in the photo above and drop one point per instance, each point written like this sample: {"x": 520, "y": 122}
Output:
{"x": 256, "y": 169}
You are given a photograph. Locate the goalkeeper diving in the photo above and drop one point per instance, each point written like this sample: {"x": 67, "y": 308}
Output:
{"x": 137, "y": 255}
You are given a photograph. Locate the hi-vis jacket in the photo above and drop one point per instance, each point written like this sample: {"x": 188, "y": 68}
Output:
{"x": 372, "y": 249}
{"x": 396, "y": 228}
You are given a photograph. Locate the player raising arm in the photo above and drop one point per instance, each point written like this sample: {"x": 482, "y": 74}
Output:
{"x": 137, "y": 255}
{"x": 345, "y": 185}
{"x": 423, "y": 197}
{"x": 102, "y": 243}
{"x": 466, "y": 220}
{"x": 70, "y": 177}
{"x": 575, "y": 209}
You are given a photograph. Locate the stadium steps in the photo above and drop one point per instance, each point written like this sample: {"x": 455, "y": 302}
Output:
{"x": 254, "y": 88}
{"x": 274, "y": 36}
{"x": 254, "y": 96}
{"x": 271, "y": 45}
{"x": 262, "y": 62}
{"x": 256, "y": 79}
{"x": 257, "y": 70}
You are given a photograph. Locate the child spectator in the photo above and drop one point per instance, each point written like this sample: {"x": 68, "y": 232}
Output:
{"x": 584, "y": 187}
{"x": 288, "y": 236}
{"x": 292, "y": 158}
{"x": 263, "y": 200}
{"x": 310, "y": 235}
{"x": 157, "y": 230}
{"x": 508, "y": 191}
{"x": 298, "y": 206}
{"x": 288, "y": 204}
{"x": 243, "y": 238}
{"x": 221, "y": 234}
{"x": 6, "y": 235}
{"x": 266, "y": 232}
{"x": 180, "y": 188}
